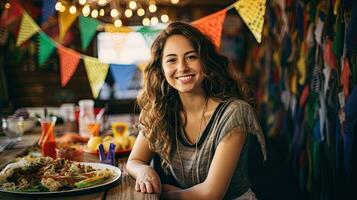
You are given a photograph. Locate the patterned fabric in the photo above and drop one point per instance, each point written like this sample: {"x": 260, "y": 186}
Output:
{"x": 191, "y": 162}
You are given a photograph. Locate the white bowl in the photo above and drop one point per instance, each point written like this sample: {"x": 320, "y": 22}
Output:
{"x": 18, "y": 124}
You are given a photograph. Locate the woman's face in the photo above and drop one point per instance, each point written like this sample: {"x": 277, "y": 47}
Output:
{"x": 182, "y": 65}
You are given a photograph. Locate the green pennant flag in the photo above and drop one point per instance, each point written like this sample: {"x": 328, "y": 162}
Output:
{"x": 88, "y": 28}
{"x": 46, "y": 47}
{"x": 149, "y": 34}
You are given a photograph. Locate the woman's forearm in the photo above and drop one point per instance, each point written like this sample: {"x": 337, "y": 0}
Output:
{"x": 134, "y": 167}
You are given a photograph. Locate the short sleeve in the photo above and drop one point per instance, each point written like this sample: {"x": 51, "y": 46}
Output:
{"x": 239, "y": 114}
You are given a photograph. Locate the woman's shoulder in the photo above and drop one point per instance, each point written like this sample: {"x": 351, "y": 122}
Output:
{"x": 237, "y": 104}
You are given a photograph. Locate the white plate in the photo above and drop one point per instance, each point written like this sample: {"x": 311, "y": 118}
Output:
{"x": 115, "y": 170}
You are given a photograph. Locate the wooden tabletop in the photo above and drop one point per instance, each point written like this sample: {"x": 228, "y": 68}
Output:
{"x": 124, "y": 189}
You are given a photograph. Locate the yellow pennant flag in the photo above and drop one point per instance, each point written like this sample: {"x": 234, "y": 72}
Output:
{"x": 252, "y": 13}
{"x": 28, "y": 28}
{"x": 96, "y": 73}
{"x": 65, "y": 20}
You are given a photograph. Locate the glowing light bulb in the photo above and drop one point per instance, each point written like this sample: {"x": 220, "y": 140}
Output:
{"x": 175, "y": 1}
{"x": 63, "y": 8}
{"x": 164, "y": 18}
{"x": 94, "y": 13}
{"x": 101, "y": 12}
{"x": 118, "y": 23}
{"x": 146, "y": 21}
{"x": 7, "y": 5}
{"x": 102, "y": 2}
{"x": 154, "y": 20}
{"x": 82, "y": 2}
{"x": 128, "y": 13}
{"x": 132, "y": 5}
{"x": 114, "y": 13}
{"x": 86, "y": 10}
{"x": 152, "y": 8}
{"x": 72, "y": 9}
{"x": 58, "y": 6}
{"x": 140, "y": 12}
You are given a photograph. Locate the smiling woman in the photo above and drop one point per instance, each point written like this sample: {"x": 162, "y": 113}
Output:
{"x": 194, "y": 115}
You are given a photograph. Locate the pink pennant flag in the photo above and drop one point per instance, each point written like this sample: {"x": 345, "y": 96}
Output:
{"x": 9, "y": 15}
{"x": 69, "y": 60}
{"x": 211, "y": 25}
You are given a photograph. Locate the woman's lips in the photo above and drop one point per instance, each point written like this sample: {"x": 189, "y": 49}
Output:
{"x": 185, "y": 78}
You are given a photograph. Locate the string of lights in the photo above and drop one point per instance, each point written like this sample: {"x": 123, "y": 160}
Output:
{"x": 116, "y": 11}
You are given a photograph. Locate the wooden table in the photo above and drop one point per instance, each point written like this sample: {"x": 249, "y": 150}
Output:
{"x": 124, "y": 189}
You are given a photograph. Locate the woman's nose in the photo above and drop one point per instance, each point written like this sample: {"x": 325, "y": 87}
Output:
{"x": 182, "y": 65}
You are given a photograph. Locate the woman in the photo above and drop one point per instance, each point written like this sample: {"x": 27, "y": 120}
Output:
{"x": 193, "y": 115}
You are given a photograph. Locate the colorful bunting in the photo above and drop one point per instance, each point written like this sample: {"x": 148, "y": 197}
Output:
{"x": 149, "y": 34}
{"x": 46, "y": 47}
{"x": 252, "y": 13}
{"x": 65, "y": 20}
{"x": 96, "y": 72}
{"x": 69, "y": 60}
{"x": 88, "y": 28}
{"x": 9, "y": 15}
{"x": 48, "y": 8}
{"x": 211, "y": 25}
{"x": 27, "y": 29}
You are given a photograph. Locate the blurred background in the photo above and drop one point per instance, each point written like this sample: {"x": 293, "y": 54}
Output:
{"x": 298, "y": 56}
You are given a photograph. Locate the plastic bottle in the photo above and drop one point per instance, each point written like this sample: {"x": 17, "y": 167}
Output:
{"x": 86, "y": 116}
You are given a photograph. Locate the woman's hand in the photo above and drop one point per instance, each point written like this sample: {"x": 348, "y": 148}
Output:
{"x": 148, "y": 181}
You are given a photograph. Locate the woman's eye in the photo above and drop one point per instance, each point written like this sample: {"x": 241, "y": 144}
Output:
{"x": 170, "y": 60}
{"x": 192, "y": 57}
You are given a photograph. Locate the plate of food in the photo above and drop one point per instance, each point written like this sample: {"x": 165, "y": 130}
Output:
{"x": 46, "y": 176}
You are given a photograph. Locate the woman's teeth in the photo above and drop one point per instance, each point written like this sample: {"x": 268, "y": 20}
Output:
{"x": 184, "y": 77}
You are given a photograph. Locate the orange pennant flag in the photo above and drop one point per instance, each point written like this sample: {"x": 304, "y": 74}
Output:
{"x": 65, "y": 20}
{"x": 69, "y": 60}
{"x": 211, "y": 25}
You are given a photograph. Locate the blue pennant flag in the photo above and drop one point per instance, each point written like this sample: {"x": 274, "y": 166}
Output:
{"x": 48, "y": 8}
{"x": 123, "y": 75}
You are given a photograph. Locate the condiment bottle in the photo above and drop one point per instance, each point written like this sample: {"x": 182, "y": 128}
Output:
{"x": 86, "y": 116}
{"x": 67, "y": 111}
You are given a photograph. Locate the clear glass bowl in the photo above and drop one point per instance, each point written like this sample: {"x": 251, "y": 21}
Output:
{"x": 14, "y": 128}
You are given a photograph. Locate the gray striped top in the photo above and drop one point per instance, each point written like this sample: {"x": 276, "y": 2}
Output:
{"x": 190, "y": 166}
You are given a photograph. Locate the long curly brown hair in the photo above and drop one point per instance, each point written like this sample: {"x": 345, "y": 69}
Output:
{"x": 160, "y": 110}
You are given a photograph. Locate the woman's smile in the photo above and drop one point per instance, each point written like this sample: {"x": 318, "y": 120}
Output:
{"x": 185, "y": 78}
